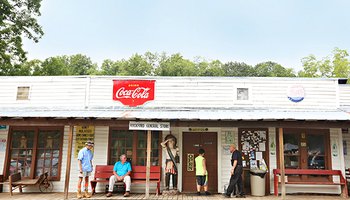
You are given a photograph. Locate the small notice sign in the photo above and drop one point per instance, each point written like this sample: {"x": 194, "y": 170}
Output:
{"x": 154, "y": 126}
{"x": 83, "y": 134}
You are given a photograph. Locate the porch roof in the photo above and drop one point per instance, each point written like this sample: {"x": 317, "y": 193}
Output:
{"x": 181, "y": 114}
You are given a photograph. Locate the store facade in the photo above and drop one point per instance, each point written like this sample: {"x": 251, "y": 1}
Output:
{"x": 211, "y": 113}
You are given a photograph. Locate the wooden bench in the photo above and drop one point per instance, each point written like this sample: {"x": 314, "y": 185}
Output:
{"x": 138, "y": 176}
{"x": 342, "y": 182}
{"x": 16, "y": 181}
{"x": 347, "y": 177}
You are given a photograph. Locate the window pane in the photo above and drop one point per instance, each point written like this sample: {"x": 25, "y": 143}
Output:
{"x": 242, "y": 94}
{"x": 21, "y": 152}
{"x": 121, "y": 141}
{"x": 316, "y": 151}
{"x": 291, "y": 151}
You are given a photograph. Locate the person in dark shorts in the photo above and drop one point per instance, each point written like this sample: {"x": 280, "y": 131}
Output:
{"x": 201, "y": 173}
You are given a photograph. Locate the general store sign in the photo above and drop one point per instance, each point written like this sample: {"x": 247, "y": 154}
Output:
{"x": 154, "y": 126}
{"x": 133, "y": 92}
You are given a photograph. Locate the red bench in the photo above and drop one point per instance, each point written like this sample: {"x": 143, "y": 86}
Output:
{"x": 342, "y": 182}
{"x": 138, "y": 175}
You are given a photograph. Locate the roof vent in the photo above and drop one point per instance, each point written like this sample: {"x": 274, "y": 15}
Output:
{"x": 342, "y": 81}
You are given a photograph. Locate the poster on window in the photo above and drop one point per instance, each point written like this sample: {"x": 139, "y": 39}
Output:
{"x": 83, "y": 134}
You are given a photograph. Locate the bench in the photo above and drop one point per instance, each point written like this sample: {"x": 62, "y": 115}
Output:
{"x": 342, "y": 182}
{"x": 138, "y": 176}
{"x": 16, "y": 181}
{"x": 347, "y": 177}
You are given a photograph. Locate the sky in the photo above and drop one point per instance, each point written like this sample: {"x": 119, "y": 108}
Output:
{"x": 250, "y": 31}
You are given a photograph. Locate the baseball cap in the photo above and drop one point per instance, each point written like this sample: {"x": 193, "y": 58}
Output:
{"x": 89, "y": 143}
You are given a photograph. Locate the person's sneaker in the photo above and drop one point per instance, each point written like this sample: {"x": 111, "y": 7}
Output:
{"x": 226, "y": 195}
{"x": 207, "y": 193}
{"x": 109, "y": 194}
{"x": 126, "y": 194}
{"x": 198, "y": 194}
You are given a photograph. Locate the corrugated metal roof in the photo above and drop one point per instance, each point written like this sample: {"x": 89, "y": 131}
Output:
{"x": 190, "y": 114}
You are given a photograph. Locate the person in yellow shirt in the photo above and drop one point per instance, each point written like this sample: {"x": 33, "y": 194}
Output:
{"x": 201, "y": 173}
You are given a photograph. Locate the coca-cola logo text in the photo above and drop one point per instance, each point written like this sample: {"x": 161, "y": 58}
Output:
{"x": 133, "y": 92}
{"x": 138, "y": 93}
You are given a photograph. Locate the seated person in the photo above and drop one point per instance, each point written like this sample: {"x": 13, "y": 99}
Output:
{"x": 121, "y": 172}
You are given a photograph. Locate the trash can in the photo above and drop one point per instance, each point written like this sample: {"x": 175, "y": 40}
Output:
{"x": 257, "y": 182}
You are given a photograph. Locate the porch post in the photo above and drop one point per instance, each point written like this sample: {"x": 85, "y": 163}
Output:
{"x": 281, "y": 156}
{"x": 148, "y": 165}
{"x": 69, "y": 159}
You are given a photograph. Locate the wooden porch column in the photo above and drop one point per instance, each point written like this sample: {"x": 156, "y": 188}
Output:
{"x": 148, "y": 165}
{"x": 281, "y": 156}
{"x": 69, "y": 159}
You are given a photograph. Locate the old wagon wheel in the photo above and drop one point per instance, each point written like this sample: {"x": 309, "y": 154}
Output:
{"x": 46, "y": 186}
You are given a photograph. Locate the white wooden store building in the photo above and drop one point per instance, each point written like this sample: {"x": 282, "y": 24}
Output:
{"x": 203, "y": 112}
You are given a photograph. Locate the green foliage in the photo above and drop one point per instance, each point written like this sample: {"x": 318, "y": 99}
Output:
{"x": 337, "y": 66}
{"x": 17, "y": 19}
{"x": 176, "y": 65}
{"x": 272, "y": 69}
{"x": 238, "y": 69}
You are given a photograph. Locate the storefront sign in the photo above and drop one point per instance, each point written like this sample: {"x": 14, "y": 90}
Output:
{"x": 296, "y": 93}
{"x": 83, "y": 134}
{"x": 155, "y": 126}
{"x": 133, "y": 92}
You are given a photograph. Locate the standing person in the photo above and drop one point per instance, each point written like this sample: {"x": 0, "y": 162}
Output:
{"x": 121, "y": 172}
{"x": 201, "y": 173}
{"x": 236, "y": 173}
{"x": 85, "y": 167}
{"x": 170, "y": 163}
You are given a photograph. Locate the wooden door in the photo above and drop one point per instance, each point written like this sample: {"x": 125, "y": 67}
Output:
{"x": 192, "y": 142}
{"x": 254, "y": 146}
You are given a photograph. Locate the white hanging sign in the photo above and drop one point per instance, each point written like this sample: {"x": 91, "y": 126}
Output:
{"x": 155, "y": 126}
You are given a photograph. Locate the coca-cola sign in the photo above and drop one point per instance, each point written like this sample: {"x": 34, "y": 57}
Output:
{"x": 133, "y": 92}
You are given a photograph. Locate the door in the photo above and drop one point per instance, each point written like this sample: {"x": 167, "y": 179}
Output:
{"x": 192, "y": 142}
{"x": 254, "y": 146}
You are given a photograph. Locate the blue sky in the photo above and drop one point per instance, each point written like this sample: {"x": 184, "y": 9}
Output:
{"x": 251, "y": 31}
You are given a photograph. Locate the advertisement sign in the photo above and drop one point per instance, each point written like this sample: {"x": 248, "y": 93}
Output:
{"x": 83, "y": 134}
{"x": 133, "y": 92}
{"x": 296, "y": 93}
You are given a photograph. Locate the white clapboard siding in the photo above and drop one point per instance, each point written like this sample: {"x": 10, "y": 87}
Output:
{"x": 96, "y": 92}
{"x": 226, "y": 158}
{"x": 344, "y": 95}
{"x": 272, "y": 155}
{"x": 220, "y": 92}
{"x": 44, "y": 92}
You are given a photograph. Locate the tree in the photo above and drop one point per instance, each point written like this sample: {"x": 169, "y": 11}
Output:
{"x": 53, "y": 66}
{"x": 337, "y": 65}
{"x": 110, "y": 67}
{"x": 272, "y": 69}
{"x": 81, "y": 65}
{"x": 176, "y": 65}
{"x": 17, "y": 19}
{"x": 136, "y": 66}
{"x": 239, "y": 69}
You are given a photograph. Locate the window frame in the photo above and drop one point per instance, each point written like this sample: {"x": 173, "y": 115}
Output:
{"x": 134, "y": 145}
{"x": 250, "y": 98}
{"x": 29, "y": 92}
{"x": 33, "y": 166}
{"x": 303, "y": 152}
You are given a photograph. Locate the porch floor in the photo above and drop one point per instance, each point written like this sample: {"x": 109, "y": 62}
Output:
{"x": 60, "y": 196}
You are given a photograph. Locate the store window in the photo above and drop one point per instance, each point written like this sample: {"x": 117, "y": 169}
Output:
{"x": 34, "y": 151}
{"x": 134, "y": 145}
{"x": 306, "y": 149}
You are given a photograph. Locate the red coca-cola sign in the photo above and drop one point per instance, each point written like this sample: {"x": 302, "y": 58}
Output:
{"x": 133, "y": 92}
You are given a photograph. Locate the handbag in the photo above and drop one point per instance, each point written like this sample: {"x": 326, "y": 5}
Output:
{"x": 177, "y": 158}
